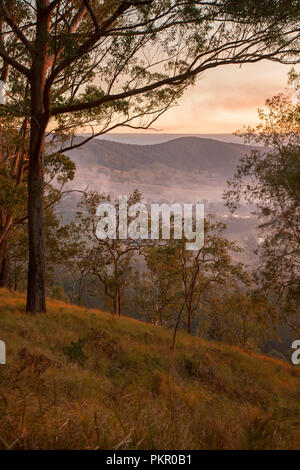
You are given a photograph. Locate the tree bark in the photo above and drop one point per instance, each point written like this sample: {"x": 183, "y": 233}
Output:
{"x": 81, "y": 285}
{"x": 176, "y": 327}
{"x": 244, "y": 332}
{"x": 160, "y": 317}
{"x": 36, "y": 289}
{"x": 117, "y": 303}
{"x": 189, "y": 322}
{"x": 4, "y": 267}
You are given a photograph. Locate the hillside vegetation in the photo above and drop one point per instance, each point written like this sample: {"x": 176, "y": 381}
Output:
{"x": 197, "y": 168}
{"x": 82, "y": 379}
{"x": 193, "y": 153}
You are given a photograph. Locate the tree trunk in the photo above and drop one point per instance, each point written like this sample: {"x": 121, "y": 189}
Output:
{"x": 81, "y": 285}
{"x": 189, "y": 329}
{"x": 117, "y": 293}
{"x": 117, "y": 303}
{"x": 36, "y": 289}
{"x": 16, "y": 278}
{"x": 244, "y": 332}
{"x": 36, "y": 292}
{"x": 160, "y": 317}
{"x": 176, "y": 327}
{"x": 4, "y": 267}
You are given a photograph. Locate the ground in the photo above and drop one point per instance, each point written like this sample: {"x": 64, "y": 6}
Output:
{"x": 83, "y": 379}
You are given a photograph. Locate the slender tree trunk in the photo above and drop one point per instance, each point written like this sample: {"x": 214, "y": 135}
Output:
{"x": 117, "y": 303}
{"x": 81, "y": 285}
{"x": 36, "y": 289}
{"x": 244, "y": 332}
{"x": 160, "y": 317}
{"x": 117, "y": 293}
{"x": 4, "y": 266}
{"x": 16, "y": 278}
{"x": 176, "y": 327}
{"x": 72, "y": 296}
{"x": 4, "y": 220}
{"x": 189, "y": 329}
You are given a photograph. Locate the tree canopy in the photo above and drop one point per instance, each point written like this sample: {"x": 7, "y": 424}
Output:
{"x": 269, "y": 178}
{"x": 96, "y": 65}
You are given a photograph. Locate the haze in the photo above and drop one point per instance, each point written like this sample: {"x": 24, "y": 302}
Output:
{"x": 224, "y": 99}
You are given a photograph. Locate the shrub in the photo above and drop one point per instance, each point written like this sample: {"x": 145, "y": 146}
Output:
{"x": 75, "y": 353}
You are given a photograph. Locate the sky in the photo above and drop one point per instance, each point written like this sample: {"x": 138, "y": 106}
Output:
{"x": 224, "y": 99}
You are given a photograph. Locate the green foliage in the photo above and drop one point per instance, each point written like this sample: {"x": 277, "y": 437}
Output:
{"x": 108, "y": 261}
{"x": 270, "y": 179}
{"x": 236, "y": 315}
{"x": 183, "y": 277}
{"x": 12, "y": 197}
{"x": 71, "y": 69}
{"x": 60, "y": 248}
{"x": 75, "y": 353}
{"x": 60, "y": 166}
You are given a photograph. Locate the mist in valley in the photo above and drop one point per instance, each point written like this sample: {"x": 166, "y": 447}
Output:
{"x": 171, "y": 169}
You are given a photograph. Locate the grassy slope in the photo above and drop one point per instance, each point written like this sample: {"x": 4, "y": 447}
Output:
{"x": 131, "y": 392}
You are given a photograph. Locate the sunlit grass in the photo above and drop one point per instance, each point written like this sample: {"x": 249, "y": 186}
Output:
{"x": 122, "y": 387}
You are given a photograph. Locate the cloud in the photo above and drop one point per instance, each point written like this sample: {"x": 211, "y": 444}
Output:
{"x": 224, "y": 99}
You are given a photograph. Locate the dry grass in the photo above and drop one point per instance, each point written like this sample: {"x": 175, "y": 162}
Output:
{"x": 81, "y": 379}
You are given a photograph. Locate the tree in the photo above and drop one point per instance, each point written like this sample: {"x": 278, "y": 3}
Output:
{"x": 111, "y": 63}
{"x": 164, "y": 279}
{"x": 181, "y": 278}
{"x": 60, "y": 247}
{"x": 13, "y": 161}
{"x": 59, "y": 169}
{"x": 269, "y": 178}
{"x": 110, "y": 260}
{"x": 234, "y": 314}
{"x": 211, "y": 265}
{"x": 14, "y": 149}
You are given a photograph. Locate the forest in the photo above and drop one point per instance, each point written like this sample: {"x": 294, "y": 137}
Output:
{"x": 87, "y": 68}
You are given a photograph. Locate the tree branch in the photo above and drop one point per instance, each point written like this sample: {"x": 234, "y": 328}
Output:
{"x": 25, "y": 71}
{"x": 14, "y": 27}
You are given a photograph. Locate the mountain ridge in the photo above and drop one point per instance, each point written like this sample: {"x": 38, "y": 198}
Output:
{"x": 183, "y": 153}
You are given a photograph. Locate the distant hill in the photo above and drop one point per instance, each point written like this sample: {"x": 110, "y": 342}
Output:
{"x": 82, "y": 379}
{"x": 187, "y": 168}
{"x": 154, "y": 137}
{"x": 186, "y": 153}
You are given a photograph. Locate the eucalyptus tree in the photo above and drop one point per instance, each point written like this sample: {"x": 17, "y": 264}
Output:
{"x": 59, "y": 169}
{"x": 269, "y": 178}
{"x": 98, "y": 65}
{"x": 202, "y": 269}
{"x": 110, "y": 260}
{"x": 165, "y": 281}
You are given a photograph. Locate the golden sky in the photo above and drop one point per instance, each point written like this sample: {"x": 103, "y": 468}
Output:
{"x": 224, "y": 99}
